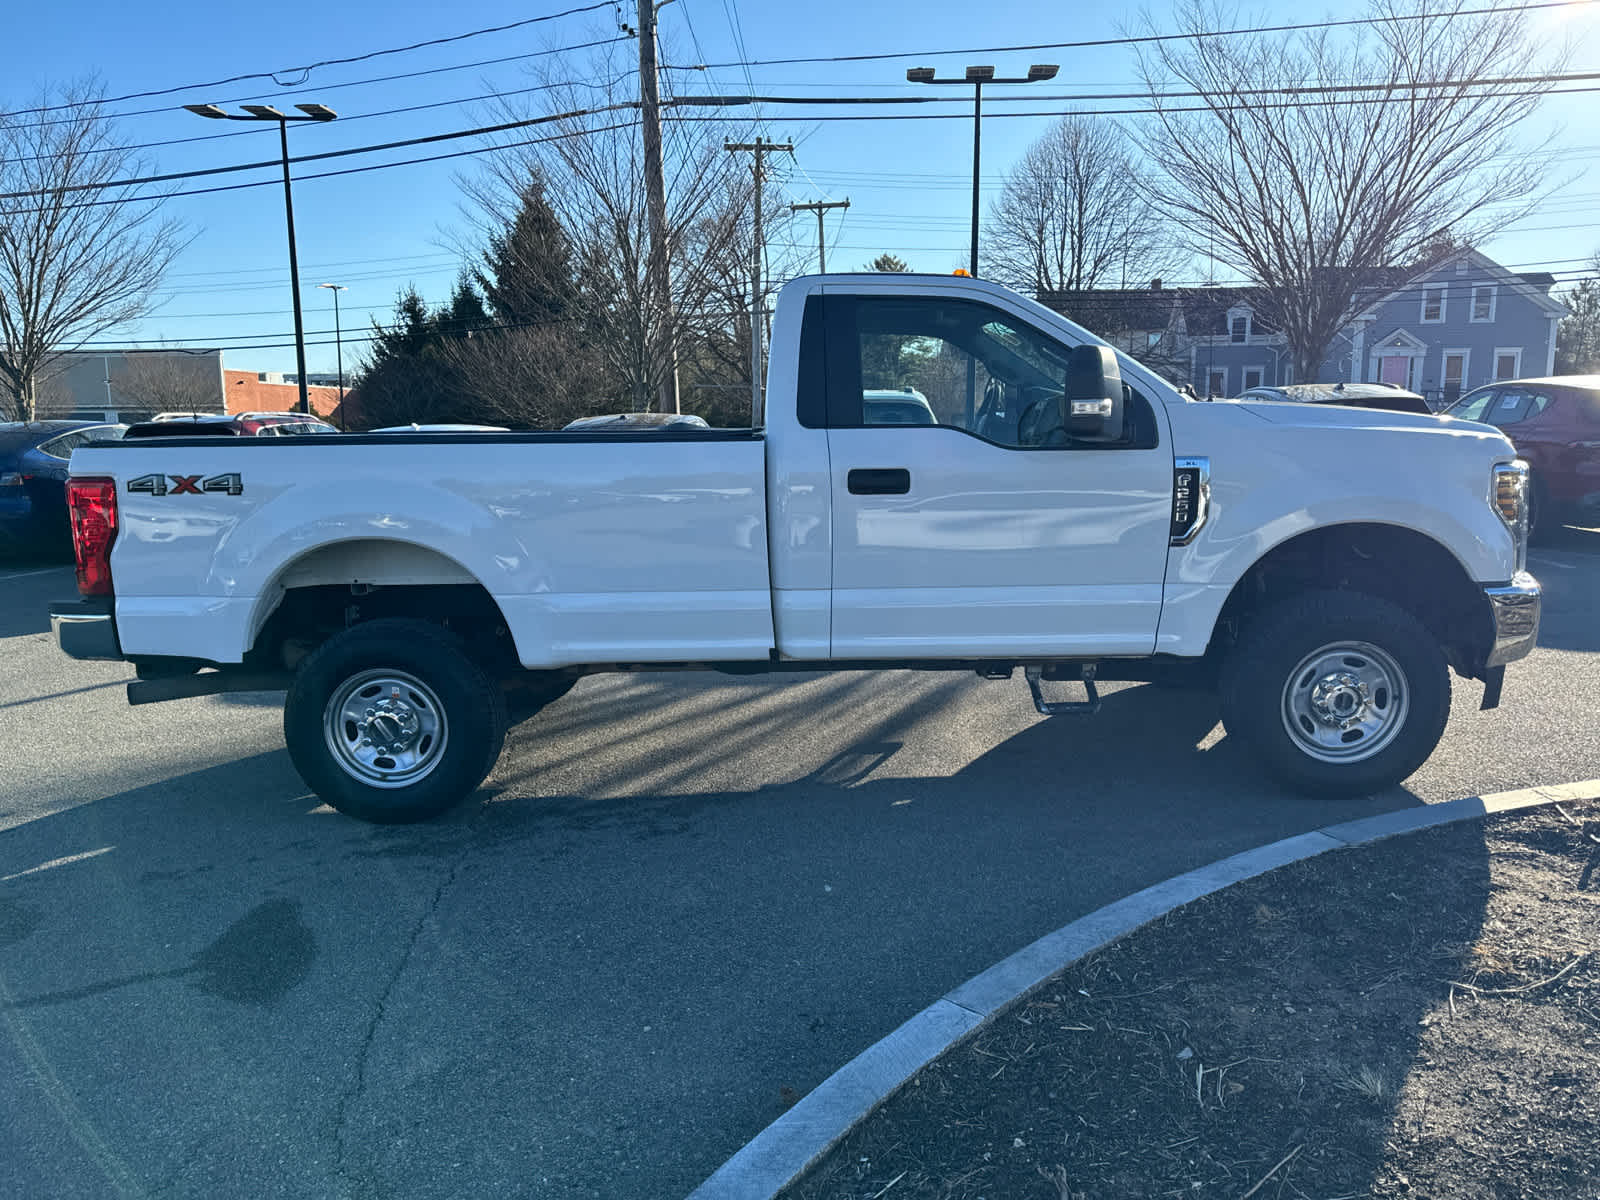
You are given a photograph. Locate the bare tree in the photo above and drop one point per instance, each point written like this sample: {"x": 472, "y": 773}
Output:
{"x": 73, "y": 263}
{"x": 1074, "y": 214}
{"x": 1318, "y": 195}
{"x": 591, "y": 163}
{"x": 172, "y": 381}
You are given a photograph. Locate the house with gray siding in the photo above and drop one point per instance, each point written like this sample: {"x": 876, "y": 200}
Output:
{"x": 1463, "y": 323}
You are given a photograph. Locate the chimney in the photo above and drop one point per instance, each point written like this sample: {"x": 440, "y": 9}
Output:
{"x": 1155, "y": 285}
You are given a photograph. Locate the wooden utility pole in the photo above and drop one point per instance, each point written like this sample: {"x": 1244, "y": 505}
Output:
{"x": 761, "y": 148}
{"x": 658, "y": 274}
{"x": 819, "y": 207}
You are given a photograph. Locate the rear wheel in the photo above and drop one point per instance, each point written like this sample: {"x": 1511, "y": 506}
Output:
{"x": 393, "y": 722}
{"x": 1337, "y": 693}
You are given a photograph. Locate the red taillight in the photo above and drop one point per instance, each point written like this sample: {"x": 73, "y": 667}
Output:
{"x": 92, "y": 503}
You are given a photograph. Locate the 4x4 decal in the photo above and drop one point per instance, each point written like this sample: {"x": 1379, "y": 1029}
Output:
{"x": 231, "y": 484}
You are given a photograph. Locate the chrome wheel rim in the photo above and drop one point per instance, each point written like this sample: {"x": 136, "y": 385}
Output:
{"x": 1345, "y": 702}
{"x": 385, "y": 728}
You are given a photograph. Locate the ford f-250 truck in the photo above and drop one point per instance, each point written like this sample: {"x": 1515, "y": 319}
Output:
{"x": 1048, "y": 504}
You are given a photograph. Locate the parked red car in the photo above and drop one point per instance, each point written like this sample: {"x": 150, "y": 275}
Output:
{"x": 255, "y": 424}
{"x": 1555, "y": 425}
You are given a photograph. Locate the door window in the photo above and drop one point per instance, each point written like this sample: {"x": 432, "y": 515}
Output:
{"x": 1475, "y": 407}
{"x": 959, "y": 366}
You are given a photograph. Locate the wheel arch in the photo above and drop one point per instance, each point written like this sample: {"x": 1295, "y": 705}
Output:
{"x": 339, "y": 584}
{"x": 1399, "y": 564}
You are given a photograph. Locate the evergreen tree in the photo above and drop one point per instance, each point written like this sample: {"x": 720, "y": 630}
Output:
{"x": 888, "y": 262}
{"x": 527, "y": 272}
{"x": 1578, "y": 335}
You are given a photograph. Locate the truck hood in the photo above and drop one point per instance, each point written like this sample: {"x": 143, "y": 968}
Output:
{"x": 1339, "y": 416}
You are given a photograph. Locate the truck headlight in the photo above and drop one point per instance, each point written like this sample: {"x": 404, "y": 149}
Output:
{"x": 1508, "y": 493}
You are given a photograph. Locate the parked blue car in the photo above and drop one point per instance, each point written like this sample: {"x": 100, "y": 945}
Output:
{"x": 33, "y": 487}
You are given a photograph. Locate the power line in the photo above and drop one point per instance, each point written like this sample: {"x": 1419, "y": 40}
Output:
{"x": 172, "y": 176}
{"x": 305, "y": 71}
{"x": 330, "y": 87}
{"x": 736, "y": 101}
{"x": 252, "y": 342}
{"x": 603, "y": 85}
{"x": 1144, "y": 39}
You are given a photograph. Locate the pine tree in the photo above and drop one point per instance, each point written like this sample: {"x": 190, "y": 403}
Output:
{"x": 527, "y": 272}
{"x": 888, "y": 262}
{"x": 1578, "y": 335}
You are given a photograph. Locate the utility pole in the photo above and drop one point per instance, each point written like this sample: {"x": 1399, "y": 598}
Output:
{"x": 658, "y": 275}
{"x": 819, "y": 207}
{"x": 760, "y": 148}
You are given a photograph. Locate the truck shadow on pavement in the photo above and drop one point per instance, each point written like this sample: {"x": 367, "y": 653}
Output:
{"x": 722, "y": 906}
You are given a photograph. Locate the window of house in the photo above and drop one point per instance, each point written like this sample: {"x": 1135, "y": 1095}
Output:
{"x": 1483, "y": 302}
{"x": 1455, "y": 373}
{"x": 1239, "y": 329}
{"x": 1252, "y": 378}
{"x": 1507, "y": 364}
{"x": 1433, "y": 305}
{"x": 1217, "y": 383}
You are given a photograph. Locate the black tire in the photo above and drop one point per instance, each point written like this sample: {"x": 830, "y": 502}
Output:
{"x": 1272, "y": 703}
{"x": 448, "y": 722}
{"x": 530, "y": 692}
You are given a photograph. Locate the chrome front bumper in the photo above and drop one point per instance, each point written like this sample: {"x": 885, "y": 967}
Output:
{"x": 1515, "y": 607}
{"x": 86, "y": 629}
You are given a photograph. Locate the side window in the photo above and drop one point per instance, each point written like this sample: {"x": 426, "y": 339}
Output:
{"x": 1514, "y": 405}
{"x": 63, "y": 446}
{"x": 1476, "y": 406}
{"x": 960, "y": 365}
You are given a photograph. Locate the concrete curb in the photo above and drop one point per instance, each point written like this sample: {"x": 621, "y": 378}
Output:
{"x": 779, "y": 1153}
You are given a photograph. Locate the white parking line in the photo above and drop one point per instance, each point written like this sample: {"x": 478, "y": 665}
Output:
{"x": 1540, "y": 560}
{"x": 37, "y": 571}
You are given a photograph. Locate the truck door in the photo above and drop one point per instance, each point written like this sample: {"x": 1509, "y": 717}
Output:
{"x": 967, "y": 521}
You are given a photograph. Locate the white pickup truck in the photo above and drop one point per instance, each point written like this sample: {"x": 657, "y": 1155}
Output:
{"x": 1038, "y": 501}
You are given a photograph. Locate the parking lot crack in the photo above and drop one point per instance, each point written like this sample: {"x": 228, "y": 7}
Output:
{"x": 358, "y": 1079}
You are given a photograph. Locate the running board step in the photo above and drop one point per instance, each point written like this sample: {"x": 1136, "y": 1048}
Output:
{"x": 1060, "y": 708}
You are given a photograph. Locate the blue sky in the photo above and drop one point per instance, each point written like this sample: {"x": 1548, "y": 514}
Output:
{"x": 379, "y": 231}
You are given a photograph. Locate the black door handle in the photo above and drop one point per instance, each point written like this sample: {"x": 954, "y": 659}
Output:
{"x": 879, "y": 481}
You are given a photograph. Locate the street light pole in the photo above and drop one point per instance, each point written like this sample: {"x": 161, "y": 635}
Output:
{"x": 265, "y": 112}
{"x": 977, "y": 77}
{"x": 338, "y": 344}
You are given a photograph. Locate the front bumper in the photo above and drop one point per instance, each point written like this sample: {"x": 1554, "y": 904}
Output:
{"x": 86, "y": 628}
{"x": 1515, "y": 608}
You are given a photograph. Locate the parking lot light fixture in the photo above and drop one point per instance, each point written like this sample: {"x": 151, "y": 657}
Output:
{"x": 977, "y": 76}
{"x": 265, "y": 112}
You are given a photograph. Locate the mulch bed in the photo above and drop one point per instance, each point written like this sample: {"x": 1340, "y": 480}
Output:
{"x": 1417, "y": 1018}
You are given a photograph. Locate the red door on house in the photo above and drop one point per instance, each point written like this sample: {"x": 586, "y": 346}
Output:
{"x": 1395, "y": 369}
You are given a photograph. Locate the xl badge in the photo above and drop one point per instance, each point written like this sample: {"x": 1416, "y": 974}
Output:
{"x": 231, "y": 484}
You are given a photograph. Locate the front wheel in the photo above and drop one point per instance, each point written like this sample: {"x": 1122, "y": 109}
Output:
{"x": 1337, "y": 693}
{"x": 392, "y": 722}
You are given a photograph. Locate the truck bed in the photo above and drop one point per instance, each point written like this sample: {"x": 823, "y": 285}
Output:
{"x": 648, "y": 546}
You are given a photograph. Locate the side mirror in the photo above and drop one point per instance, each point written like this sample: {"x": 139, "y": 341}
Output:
{"x": 1094, "y": 395}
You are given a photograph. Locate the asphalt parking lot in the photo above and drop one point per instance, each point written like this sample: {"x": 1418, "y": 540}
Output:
{"x": 680, "y": 902}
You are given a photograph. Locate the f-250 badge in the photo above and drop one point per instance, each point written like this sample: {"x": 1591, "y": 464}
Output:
{"x": 231, "y": 484}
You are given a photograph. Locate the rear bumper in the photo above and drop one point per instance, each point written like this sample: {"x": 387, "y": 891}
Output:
{"x": 1515, "y": 607}
{"x": 86, "y": 628}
